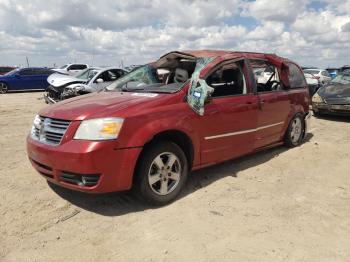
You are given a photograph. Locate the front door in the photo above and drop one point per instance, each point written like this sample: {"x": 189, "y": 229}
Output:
{"x": 228, "y": 124}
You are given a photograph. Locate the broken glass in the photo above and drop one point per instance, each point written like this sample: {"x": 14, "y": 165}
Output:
{"x": 199, "y": 90}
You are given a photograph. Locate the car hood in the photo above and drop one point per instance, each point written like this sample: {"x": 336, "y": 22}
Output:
{"x": 103, "y": 104}
{"x": 57, "y": 80}
{"x": 335, "y": 91}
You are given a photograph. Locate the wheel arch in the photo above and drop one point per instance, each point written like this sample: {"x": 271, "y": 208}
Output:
{"x": 176, "y": 136}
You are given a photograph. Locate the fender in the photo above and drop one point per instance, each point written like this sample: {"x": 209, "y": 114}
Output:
{"x": 147, "y": 131}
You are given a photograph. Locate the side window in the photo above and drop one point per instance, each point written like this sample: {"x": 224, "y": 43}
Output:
{"x": 296, "y": 77}
{"x": 81, "y": 67}
{"x": 26, "y": 72}
{"x": 227, "y": 80}
{"x": 266, "y": 76}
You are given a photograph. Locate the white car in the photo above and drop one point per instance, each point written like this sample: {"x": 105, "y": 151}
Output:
{"x": 322, "y": 75}
{"x": 71, "y": 69}
{"x": 312, "y": 82}
{"x": 90, "y": 80}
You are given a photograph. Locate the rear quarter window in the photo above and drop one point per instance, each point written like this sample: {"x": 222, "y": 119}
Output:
{"x": 296, "y": 77}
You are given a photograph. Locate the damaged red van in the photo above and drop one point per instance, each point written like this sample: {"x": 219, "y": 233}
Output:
{"x": 185, "y": 111}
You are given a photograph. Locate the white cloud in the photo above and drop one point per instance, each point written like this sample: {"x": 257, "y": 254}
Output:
{"x": 281, "y": 10}
{"x": 107, "y": 31}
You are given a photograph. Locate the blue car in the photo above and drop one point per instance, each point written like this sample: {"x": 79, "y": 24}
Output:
{"x": 24, "y": 79}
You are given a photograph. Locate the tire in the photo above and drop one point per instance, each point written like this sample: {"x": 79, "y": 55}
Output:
{"x": 156, "y": 182}
{"x": 3, "y": 88}
{"x": 295, "y": 132}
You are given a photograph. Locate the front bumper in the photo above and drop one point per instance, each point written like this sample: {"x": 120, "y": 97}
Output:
{"x": 103, "y": 167}
{"x": 331, "y": 109}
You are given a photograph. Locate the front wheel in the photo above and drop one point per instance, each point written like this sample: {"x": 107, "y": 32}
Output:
{"x": 3, "y": 88}
{"x": 161, "y": 173}
{"x": 295, "y": 132}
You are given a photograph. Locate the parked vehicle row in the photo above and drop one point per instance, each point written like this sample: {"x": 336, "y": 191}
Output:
{"x": 151, "y": 127}
{"x": 90, "y": 80}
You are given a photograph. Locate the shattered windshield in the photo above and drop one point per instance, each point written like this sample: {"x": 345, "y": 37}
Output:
{"x": 165, "y": 76}
{"x": 343, "y": 79}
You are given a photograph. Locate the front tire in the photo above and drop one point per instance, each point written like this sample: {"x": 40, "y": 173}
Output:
{"x": 161, "y": 173}
{"x": 3, "y": 88}
{"x": 295, "y": 132}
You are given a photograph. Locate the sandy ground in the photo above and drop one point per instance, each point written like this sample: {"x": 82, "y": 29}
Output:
{"x": 277, "y": 205}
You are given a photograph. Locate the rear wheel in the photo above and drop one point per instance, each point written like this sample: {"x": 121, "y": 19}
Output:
{"x": 3, "y": 88}
{"x": 161, "y": 173}
{"x": 295, "y": 132}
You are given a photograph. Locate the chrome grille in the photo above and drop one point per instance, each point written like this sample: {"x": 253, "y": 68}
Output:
{"x": 49, "y": 130}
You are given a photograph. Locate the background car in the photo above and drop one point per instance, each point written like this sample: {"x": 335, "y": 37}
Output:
{"x": 333, "y": 98}
{"x": 90, "y": 80}
{"x": 312, "y": 83}
{"x": 24, "y": 79}
{"x": 6, "y": 69}
{"x": 71, "y": 69}
{"x": 321, "y": 74}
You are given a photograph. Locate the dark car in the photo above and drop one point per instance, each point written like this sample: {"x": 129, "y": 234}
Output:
{"x": 6, "y": 69}
{"x": 333, "y": 98}
{"x": 24, "y": 79}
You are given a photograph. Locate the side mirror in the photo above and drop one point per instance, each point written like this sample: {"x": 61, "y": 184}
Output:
{"x": 99, "y": 80}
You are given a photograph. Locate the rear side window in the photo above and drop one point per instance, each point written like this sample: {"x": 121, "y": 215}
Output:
{"x": 296, "y": 77}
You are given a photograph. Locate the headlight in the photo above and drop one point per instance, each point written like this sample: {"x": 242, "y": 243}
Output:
{"x": 99, "y": 129}
{"x": 36, "y": 126}
{"x": 317, "y": 98}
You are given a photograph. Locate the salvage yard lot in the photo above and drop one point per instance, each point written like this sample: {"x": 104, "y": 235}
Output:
{"x": 280, "y": 204}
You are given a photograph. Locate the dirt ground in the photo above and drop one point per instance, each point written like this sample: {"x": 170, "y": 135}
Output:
{"x": 277, "y": 205}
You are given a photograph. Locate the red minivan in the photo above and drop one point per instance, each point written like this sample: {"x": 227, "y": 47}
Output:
{"x": 187, "y": 110}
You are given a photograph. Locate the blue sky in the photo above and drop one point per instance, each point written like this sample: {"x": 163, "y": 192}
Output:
{"x": 107, "y": 32}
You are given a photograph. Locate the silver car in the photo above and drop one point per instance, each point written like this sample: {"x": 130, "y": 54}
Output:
{"x": 90, "y": 80}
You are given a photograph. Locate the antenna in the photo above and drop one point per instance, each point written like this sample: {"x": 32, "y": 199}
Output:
{"x": 27, "y": 61}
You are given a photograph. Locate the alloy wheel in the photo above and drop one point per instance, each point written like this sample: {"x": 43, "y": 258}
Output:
{"x": 3, "y": 88}
{"x": 165, "y": 173}
{"x": 296, "y": 131}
